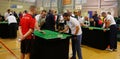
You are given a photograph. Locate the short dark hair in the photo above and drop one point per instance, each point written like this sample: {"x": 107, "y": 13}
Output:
{"x": 32, "y": 7}
{"x": 103, "y": 12}
{"x": 25, "y": 11}
{"x": 8, "y": 10}
{"x": 109, "y": 13}
{"x": 66, "y": 14}
{"x": 44, "y": 11}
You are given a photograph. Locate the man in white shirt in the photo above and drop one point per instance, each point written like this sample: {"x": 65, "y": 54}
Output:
{"x": 109, "y": 22}
{"x": 41, "y": 19}
{"x": 75, "y": 27}
{"x": 12, "y": 26}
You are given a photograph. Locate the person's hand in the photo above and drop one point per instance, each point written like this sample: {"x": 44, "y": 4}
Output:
{"x": 104, "y": 30}
{"x": 21, "y": 38}
{"x": 41, "y": 31}
{"x": 61, "y": 31}
{"x": 75, "y": 37}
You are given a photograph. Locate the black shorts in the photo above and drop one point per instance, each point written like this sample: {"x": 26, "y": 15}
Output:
{"x": 26, "y": 46}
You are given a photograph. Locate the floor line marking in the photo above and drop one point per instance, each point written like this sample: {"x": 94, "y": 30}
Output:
{"x": 9, "y": 50}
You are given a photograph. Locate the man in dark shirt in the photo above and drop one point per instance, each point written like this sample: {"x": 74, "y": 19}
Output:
{"x": 50, "y": 21}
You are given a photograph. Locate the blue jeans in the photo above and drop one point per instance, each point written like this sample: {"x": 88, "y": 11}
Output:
{"x": 76, "y": 42}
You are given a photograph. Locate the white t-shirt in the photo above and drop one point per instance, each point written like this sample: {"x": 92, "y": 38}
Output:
{"x": 11, "y": 19}
{"x": 7, "y": 14}
{"x": 112, "y": 20}
{"x": 61, "y": 19}
{"x": 37, "y": 17}
{"x": 81, "y": 19}
{"x": 72, "y": 23}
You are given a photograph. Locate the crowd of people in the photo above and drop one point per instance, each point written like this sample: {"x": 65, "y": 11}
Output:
{"x": 65, "y": 22}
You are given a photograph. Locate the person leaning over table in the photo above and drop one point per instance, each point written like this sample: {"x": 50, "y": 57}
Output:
{"x": 12, "y": 25}
{"x": 109, "y": 22}
{"x": 26, "y": 28}
{"x": 40, "y": 18}
{"x": 75, "y": 27}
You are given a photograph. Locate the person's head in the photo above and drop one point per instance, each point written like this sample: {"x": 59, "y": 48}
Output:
{"x": 51, "y": 11}
{"x": 25, "y": 11}
{"x": 109, "y": 13}
{"x": 91, "y": 19}
{"x": 104, "y": 14}
{"x": 76, "y": 12}
{"x": 86, "y": 18}
{"x": 8, "y": 10}
{"x": 94, "y": 13}
{"x": 32, "y": 9}
{"x": 66, "y": 16}
{"x": 55, "y": 12}
{"x": 43, "y": 13}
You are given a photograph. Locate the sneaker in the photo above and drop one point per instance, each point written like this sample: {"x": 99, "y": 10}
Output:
{"x": 108, "y": 49}
{"x": 111, "y": 50}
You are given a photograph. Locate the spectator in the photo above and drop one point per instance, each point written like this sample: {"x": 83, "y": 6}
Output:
{"x": 26, "y": 28}
{"x": 50, "y": 21}
{"x": 7, "y": 13}
{"x": 95, "y": 17}
{"x": 12, "y": 26}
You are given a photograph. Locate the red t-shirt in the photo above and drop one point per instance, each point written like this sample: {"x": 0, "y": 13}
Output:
{"x": 27, "y": 22}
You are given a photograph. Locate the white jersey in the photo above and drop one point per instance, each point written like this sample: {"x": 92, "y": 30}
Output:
{"x": 11, "y": 19}
{"x": 7, "y": 14}
{"x": 37, "y": 17}
{"x": 111, "y": 18}
{"x": 72, "y": 23}
{"x": 81, "y": 19}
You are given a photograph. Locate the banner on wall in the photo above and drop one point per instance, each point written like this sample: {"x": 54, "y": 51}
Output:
{"x": 13, "y": 6}
{"x": 67, "y": 2}
{"x": 19, "y": 6}
{"x": 16, "y": 6}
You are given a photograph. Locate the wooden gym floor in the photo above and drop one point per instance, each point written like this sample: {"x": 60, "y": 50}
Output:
{"x": 87, "y": 52}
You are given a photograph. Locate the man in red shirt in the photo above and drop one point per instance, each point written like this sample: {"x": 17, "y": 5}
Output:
{"x": 26, "y": 28}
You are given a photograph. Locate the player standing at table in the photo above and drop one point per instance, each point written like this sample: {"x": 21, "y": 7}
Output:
{"x": 75, "y": 27}
{"x": 109, "y": 22}
{"x": 26, "y": 28}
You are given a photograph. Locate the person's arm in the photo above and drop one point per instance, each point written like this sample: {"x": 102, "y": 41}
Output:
{"x": 36, "y": 26}
{"x": 107, "y": 23}
{"x": 20, "y": 31}
{"x": 30, "y": 31}
{"x": 22, "y": 37}
{"x": 77, "y": 29}
{"x": 66, "y": 28}
{"x": 82, "y": 24}
{"x": 42, "y": 22}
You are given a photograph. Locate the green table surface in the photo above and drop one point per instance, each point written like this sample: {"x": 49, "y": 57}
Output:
{"x": 97, "y": 28}
{"x": 3, "y": 22}
{"x": 51, "y": 34}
